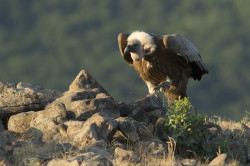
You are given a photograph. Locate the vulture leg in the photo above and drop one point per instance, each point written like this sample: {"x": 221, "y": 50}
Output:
{"x": 163, "y": 86}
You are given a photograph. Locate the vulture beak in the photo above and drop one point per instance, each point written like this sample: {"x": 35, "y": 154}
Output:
{"x": 128, "y": 49}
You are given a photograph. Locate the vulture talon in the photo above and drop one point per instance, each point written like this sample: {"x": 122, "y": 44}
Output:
{"x": 162, "y": 87}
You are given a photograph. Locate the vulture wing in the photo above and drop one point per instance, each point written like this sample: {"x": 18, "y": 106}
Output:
{"x": 183, "y": 47}
{"x": 122, "y": 42}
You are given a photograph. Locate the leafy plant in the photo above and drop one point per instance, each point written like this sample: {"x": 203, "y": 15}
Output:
{"x": 188, "y": 129}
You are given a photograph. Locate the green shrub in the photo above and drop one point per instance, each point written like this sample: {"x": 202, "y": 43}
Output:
{"x": 188, "y": 129}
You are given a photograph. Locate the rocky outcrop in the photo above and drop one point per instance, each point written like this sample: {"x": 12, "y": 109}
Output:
{"x": 86, "y": 126}
{"x": 85, "y": 97}
{"x": 21, "y": 97}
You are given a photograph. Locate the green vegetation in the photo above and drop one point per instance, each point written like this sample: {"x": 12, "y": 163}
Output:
{"x": 48, "y": 42}
{"x": 189, "y": 131}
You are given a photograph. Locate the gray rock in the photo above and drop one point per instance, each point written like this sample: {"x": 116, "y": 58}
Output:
{"x": 33, "y": 134}
{"x": 124, "y": 108}
{"x": 97, "y": 151}
{"x": 21, "y": 122}
{"x": 86, "y": 97}
{"x": 56, "y": 132}
{"x": 154, "y": 115}
{"x": 46, "y": 123}
{"x": 31, "y": 162}
{"x": 84, "y": 81}
{"x": 31, "y": 152}
{"x": 73, "y": 126}
{"x": 3, "y": 139}
{"x": 149, "y": 103}
{"x": 153, "y": 147}
{"x": 146, "y": 109}
{"x": 96, "y": 128}
{"x": 49, "y": 122}
{"x": 134, "y": 130}
{"x": 126, "y": 157}
{"x": 95, "y": 156}
{"x": 127, "y": 127}
{"x": 119, "y": 140}
{"x": 133, "y": 111}
{"x": 16, "y": 98}
{"x": 83, "y": 107}
{"x": 110, "y": 113}
{"x": 55, "y": 112}
{"x": 62, "y": 162}
{"x": 219, "y": 160}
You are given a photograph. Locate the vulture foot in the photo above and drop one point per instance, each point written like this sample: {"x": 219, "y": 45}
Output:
{"x": 162, "y": 87}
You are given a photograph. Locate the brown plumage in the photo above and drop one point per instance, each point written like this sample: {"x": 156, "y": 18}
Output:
{"x": 163, "y": 61}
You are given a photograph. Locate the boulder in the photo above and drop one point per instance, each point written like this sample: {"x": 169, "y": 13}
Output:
{"x": 153, "y": 147}
{"x": 21, "y": 97}
{"x": 133, "y": 111}
{"x": 95, "y": 156}
{"x": 84, "y": 81}
{"x": 134, "y": 130}
{"x": 46, "y": 124}
{"x": 97, "y": 128}
{"x": 146, "y": 109}
{"x": 84, "y": 102}
{"x": 62, "y": 162}
{"x": 85, "y": 126}
{"x": 128, "y": 129}
{"x": 86, "y": 97}
{"x": 20, "y": 122}
{"x": 55, "y": 112}
{"x": 219, "y": 160}
{"x": 156, "y": 114}
{"x": 126, "y": 157}
{"x": 33, "y": 152}
{"x": 73, "y": 126}
{"x": 149, "y": 103}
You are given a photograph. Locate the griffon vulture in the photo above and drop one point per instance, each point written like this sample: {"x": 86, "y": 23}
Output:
{"x": 164, "y": 62}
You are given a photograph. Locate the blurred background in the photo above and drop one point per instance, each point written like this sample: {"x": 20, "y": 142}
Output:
{"x": 48, "y": 42}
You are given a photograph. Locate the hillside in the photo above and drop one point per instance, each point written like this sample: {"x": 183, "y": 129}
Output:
{"x": 48, "y": 42}
{"x": 86, "y": 126}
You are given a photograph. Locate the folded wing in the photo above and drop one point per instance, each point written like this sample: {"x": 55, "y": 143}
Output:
{"x": 184, "y": 48}
{"x": 122, "y": 42}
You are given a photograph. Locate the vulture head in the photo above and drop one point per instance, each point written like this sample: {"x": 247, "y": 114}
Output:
{"x": 139, "y": 45}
